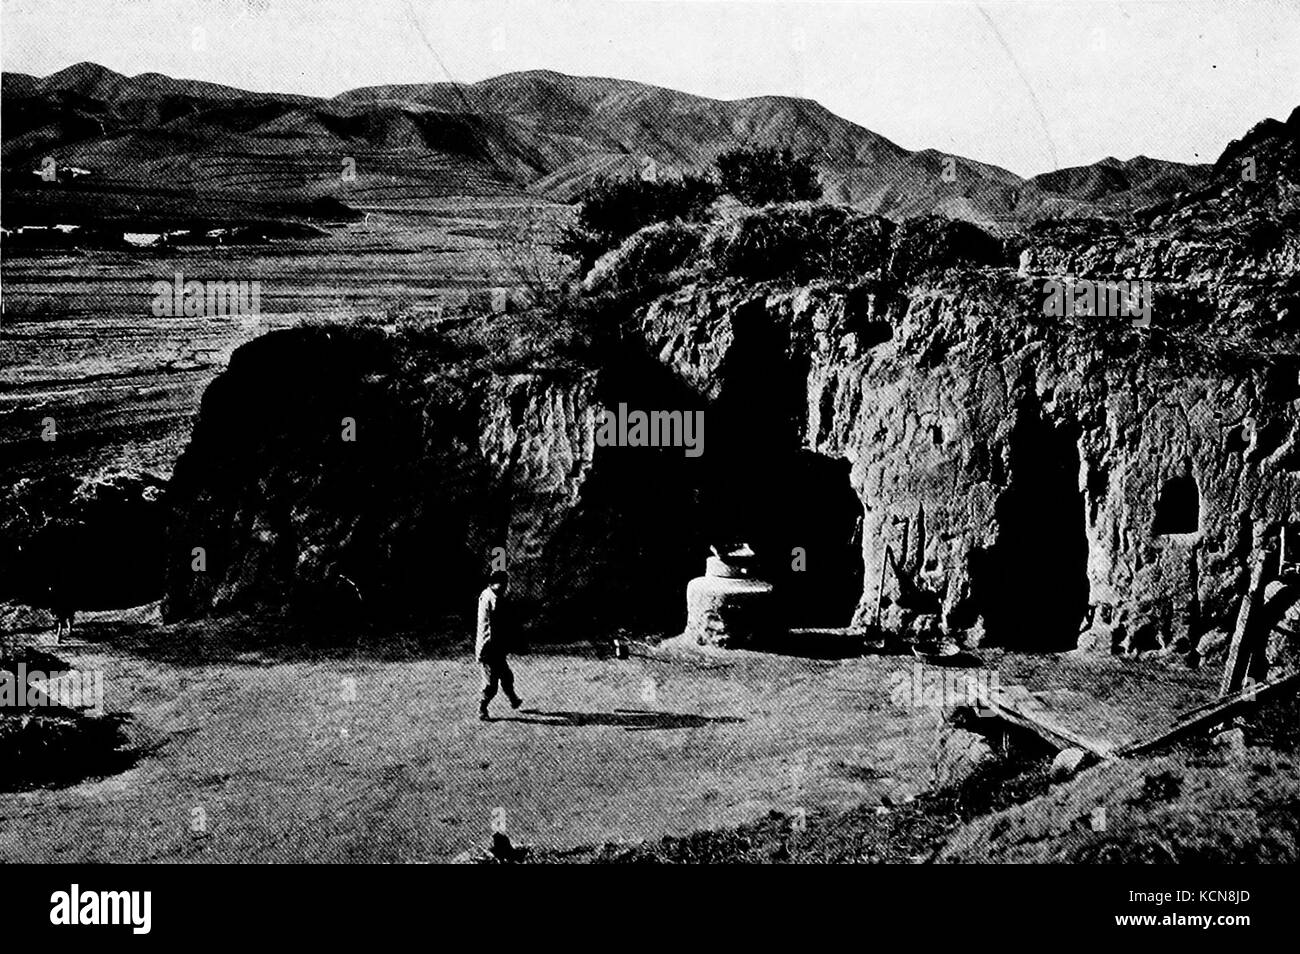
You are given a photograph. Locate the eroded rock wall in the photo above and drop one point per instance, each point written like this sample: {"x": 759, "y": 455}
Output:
{"x": 996, "y": 472}
{"x": 1028, "y": 484}
{"x": 1017, "y": 482}
{"x": 401, "y": 517}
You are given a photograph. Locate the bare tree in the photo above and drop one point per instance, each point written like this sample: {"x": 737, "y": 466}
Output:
{"x": 525, "y": 243}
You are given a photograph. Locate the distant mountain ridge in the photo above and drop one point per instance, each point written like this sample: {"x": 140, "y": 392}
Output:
{"x": 187, "y": 144}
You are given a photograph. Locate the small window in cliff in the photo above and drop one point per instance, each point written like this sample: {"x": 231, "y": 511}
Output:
{"x": 936, "y": 435}
{"x": 1290, "y": 543}
{"x": 1179, "y": 508}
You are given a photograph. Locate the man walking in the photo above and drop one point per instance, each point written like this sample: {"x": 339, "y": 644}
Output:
{"x": 62, "y": 604}
{"x": 490, "y": 647}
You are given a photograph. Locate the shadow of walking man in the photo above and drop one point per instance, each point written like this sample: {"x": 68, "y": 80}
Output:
{"x": 633, "y": 720}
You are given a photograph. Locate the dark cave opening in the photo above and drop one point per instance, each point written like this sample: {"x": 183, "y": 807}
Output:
{"x": 1178, "y": 510}
{"x": 818, "y": 565}
{"x": 799, "y": 513}
{"x": 1032, "y": 584}
{"x": 795, "y": 507}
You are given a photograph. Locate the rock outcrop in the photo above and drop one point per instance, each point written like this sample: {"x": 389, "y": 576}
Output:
{"x": 919, "y": 444}
{"x": 86, "y": 543}
{"x": 1024, "y": 480}
{"x": 328, "y": 477}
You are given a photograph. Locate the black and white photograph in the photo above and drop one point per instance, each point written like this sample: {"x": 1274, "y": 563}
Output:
{"x": 482, "y": 432}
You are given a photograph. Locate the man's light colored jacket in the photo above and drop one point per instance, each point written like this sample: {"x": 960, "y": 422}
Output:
{"x": 487, "y": 610}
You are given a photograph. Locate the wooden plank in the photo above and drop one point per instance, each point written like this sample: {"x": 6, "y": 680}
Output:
{"x": 1239, "y": 653}
{"x": 1017, "y": 705}
{"x": 1216, "y": 713}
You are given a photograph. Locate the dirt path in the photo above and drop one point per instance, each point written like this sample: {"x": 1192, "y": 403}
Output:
{"x": 386, "y": 761}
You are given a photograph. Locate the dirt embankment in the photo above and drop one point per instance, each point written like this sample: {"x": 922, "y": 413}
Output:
{"x": 1211, "y": 802}
{"x": 80, "y": 543}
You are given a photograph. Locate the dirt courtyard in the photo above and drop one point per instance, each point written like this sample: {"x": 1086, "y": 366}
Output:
{"x": 254, "y": 758}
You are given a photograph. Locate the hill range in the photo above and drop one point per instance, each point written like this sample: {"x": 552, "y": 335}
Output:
{"x": 151, "y": 144}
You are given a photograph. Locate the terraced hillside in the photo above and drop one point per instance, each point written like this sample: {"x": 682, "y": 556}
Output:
{"x": 127, "y": 146}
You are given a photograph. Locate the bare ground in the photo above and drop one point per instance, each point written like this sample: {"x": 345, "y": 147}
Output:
{"x": 254, "y": 748}
{"x": 276, "y": 756}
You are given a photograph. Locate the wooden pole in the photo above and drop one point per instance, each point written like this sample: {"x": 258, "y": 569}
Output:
{"x": 1239, "y": 653}
{"x": 880, "y": 589}
{"x": 1215, "y": 713}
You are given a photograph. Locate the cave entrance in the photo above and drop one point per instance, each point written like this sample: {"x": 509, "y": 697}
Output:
{"x": 795, "y": 507}
{"x": 1178, "y": 509}
{"x": 822, "y": 549}
{"x": 804, "y": 521}
{"x": 1033, "y": 582}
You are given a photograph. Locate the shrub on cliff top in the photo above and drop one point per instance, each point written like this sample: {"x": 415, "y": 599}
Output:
{"x": 645, "y": 259}
{"x": 800, "y": 243}
{"x": 758, "y": 175}
{"x": 933, "y": 243}
{"x": 611, "y": 210}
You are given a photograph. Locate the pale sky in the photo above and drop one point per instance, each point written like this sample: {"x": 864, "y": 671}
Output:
{"x": 1030, "y": 85}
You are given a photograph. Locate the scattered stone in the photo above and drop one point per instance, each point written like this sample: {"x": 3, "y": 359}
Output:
{"x": 1066, "y": 764}
{"x": 1212, "y": 644}
{"x": 1232, "y": 741}
{"x": 960, "y": 754}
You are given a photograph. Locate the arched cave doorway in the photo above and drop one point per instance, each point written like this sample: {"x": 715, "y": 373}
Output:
{"x": 1178, "y": 509}
{"x": 759, "y": 485}
{"x": 804, "y": 521}
{"x": 1032, "y": 584}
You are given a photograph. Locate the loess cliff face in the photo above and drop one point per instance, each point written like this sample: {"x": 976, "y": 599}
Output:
{"x": 1031, "y": 481}
{"x": 924, "y": 444}
{"x": 330, "y": 478}
{"x": 1037, "y": 480}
